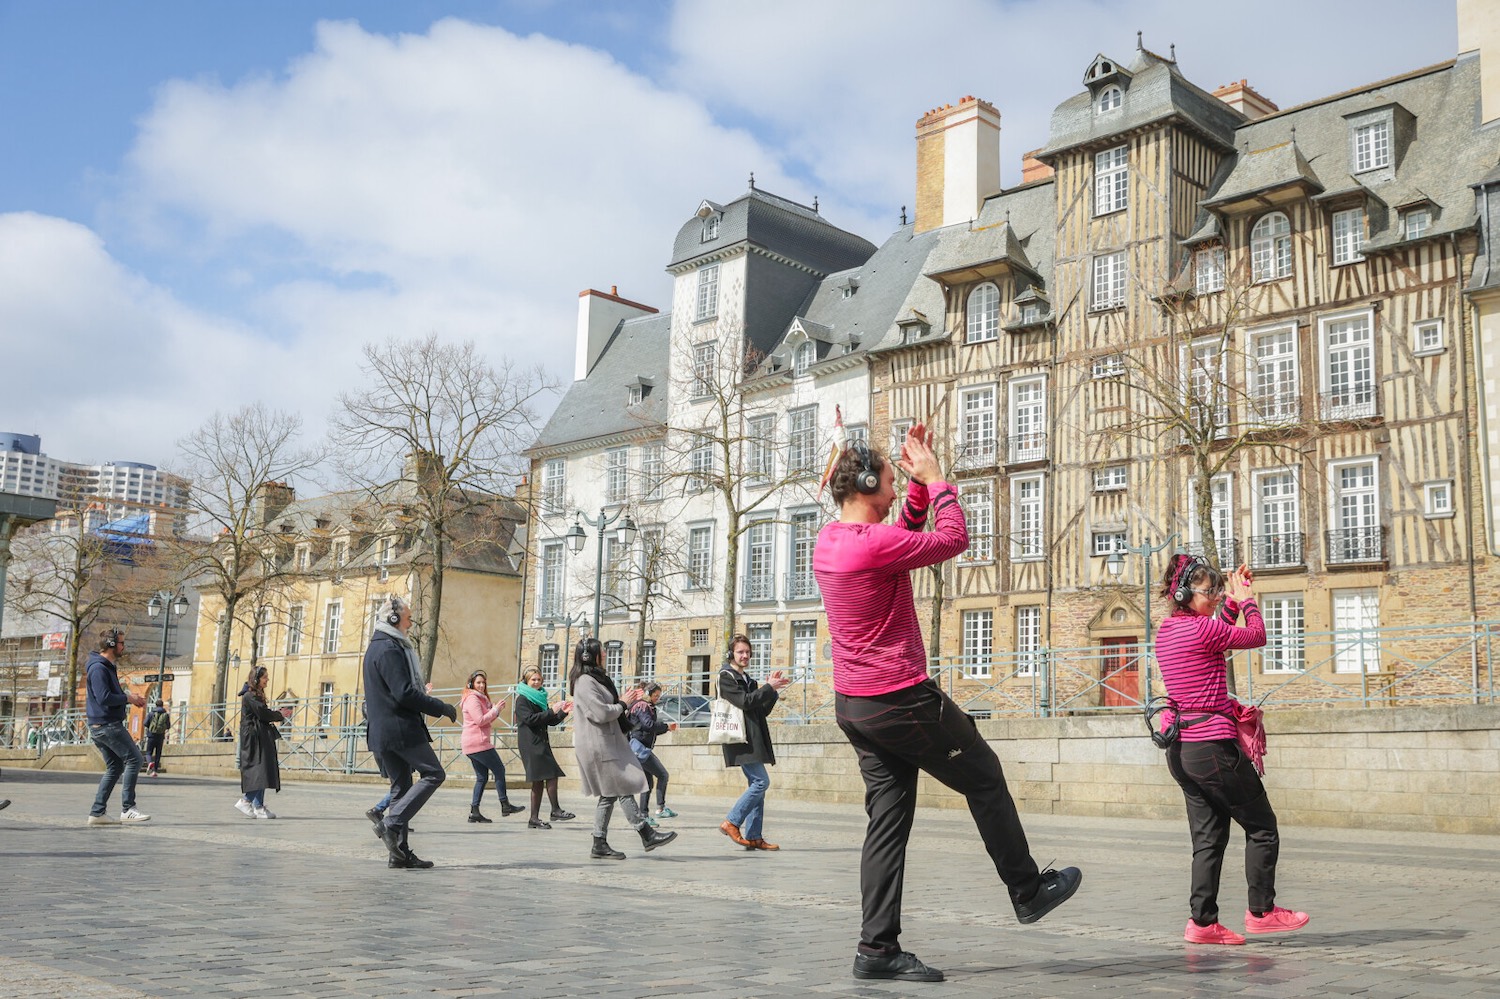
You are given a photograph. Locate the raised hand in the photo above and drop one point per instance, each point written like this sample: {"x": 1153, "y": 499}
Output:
{"x": 917, "y": 459}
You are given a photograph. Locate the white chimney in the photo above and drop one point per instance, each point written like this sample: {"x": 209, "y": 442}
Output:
{"x": 598, "y": 314}
{"x": 958, "y": 162}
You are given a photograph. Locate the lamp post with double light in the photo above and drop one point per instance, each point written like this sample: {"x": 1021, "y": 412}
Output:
{"x": 577, "y": 536}
{"x": 169, "y": 607}
{"x": 568, "y": 623}
{"x": 1116, "y": 566}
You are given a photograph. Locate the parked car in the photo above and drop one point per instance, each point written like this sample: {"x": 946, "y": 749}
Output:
{"x": 687, "y": 710}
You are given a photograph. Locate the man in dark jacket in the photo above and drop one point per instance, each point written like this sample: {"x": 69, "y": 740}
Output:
{"x": 105, "y": 704}
{"x": 158, "y": 721}
{"x": 395, "y": 701}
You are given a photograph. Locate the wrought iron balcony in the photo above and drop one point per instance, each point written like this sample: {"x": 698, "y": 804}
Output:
{"x": 1027, "y": 447}
{"x": 1353, "y": 404}
{"x": 1229, "y": 551}
{"x": 1356, "y": 544}
{"x": 976, "y": 454}
{"x": 1269, "y": 551}
{"x": 758, "y": 589}
{"x": 801, "y": 586}
{"x": 1276, "y": 409}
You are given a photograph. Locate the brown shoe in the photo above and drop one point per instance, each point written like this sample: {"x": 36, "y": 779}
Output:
{"x": 760, "y": 844}
{"x": 733, "y": 832}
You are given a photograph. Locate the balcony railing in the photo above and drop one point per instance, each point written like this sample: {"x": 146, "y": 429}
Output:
{"x": 1027, "y": 447}
{"x": 801, "y": 586}
{"x": 1356, "y": 544}
{"x": 1354, "y": 404}
{"x": 1276, "y": 410}
{"x": 976, "y": 454}
{"x": 758, "y": 589}
{"x": 1229, "y": 551}
{"x": 1269, "y": 551}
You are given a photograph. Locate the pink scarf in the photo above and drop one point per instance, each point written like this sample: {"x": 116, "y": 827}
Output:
{"x": 1250, "y": 732}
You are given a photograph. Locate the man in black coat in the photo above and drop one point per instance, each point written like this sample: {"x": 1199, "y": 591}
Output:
{"x": 395, "y": 701}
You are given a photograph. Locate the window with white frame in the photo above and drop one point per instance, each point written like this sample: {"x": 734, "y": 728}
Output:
{"x": 701, "y": 462}
{"x": 1355, "y": 533}
{"x": 1284, "y": 651}
{"x": 1111, "y": 181}
{"x": 760, "y": 649}
{"x": 1109, "y": 280}
{"x": 1107, "y": 542}
{"x": 1278, "y": 518}
{"x": 708, "y": 292}
{"x": 617, "y": 475}
{"x": 802, "y": 441}
{"x": 977, "y": 500}
{"x": 1206, "y": 366}
{"x": 979, "y": 643}
{"x": 332, "y": 617}
{"x": 711, "y": 228}
{"x": 899, "y": 430}
{"x": 549, "y": 587}
{"x": 1356, "y": 640}
{"x": 1031, "y": 312}
{"x": 983, "y": 314}
{"x": 635, "y": 394}
{"x": 1437, "y": 499}
{"x": 1271, "y": 248}
{"x": 295, "y": 623}
{"x": 1348, "y": 367}
{"x": 1109, "y": 366}
{"x": 976, "y": 429}
{"x": 1028, "y": 419}
{"x": 304, "y": 557}
{"x": 857, "y": 432}
{"x": 804, "y": 536}
{"x": 804, "y": 357}
{"x": 1417, "y": 221}
{"x": 1110, "y": 99}
{"x": 614, "y": 661}
{"x": 325, "y": 703}
{"x": 372, "y": 613}
{"x": 703, "y": 369}
{"x": 1028, "y": 640}
{"x": 617, "y": 570}
{"x": 1208, "y": 270}
{"x": 760, "y": 562}
{"x": 385, "y": 551}
{"x": 648, "y": 660}
{"x": 1026, "y": 518}
{"x": 554, "y": 486}
{"x": 1111, "y": 478}
{"x": 760, "y": 447}
{"x": 1348, "y": 233}
{"x": 340, "y": 554}
{"x": 652, "y": 560}
{"x": 263, "y": 631}
{"x": 1372, "y": 146}
{"x": 653, "y": 470}
{"x": 1274, "y": 383}
{"x": 804, "y": 649}
{"x": 1219, "y": 517}
{"x": 700, "y": 557}
{"x": 1427, "y": 336}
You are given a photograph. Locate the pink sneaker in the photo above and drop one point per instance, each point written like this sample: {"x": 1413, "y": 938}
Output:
{"x": 1278, "y": 920}
{"x": 1216, "y": 933}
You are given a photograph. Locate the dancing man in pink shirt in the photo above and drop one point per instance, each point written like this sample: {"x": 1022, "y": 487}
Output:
{"x": 898, "y": 720}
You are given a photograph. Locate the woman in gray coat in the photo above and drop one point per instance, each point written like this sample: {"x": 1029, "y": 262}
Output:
{"x": 607, "y": 767}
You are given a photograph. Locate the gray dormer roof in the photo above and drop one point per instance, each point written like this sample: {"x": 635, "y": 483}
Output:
{"x": 1260, "y": 171}
{"x": 637, "y": 353}
{"x": 777, "y": 225}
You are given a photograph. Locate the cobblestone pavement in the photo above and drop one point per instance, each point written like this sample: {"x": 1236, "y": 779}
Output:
{"x": 201, "y": 901}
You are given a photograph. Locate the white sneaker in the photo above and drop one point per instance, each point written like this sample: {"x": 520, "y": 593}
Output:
{"x": 264, "y": 813}
{"x": 102, "y": 820}
{"x": 134, "y": 815}
{"x": 244, "y": 806}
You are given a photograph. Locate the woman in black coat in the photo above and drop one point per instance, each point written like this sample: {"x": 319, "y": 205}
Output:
{"x": 259, "y": 767}
{"x": 743, "y": 823}
{"x": 533, "y": 717}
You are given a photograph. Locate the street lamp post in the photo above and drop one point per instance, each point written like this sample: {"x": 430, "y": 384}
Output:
{"x": 1116, "y": 565}
{"x": 168, "y": 606}
{"x": 567, "y": 623}
{"x": 576, "y": 537}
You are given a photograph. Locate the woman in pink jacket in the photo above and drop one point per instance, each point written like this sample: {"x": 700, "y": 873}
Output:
{"x": 479, "y": 744}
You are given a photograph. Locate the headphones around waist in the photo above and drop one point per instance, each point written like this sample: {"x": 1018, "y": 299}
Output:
{"x": 1164, "y": 738}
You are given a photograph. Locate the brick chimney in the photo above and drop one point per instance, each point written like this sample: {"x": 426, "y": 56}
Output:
{"x": 270, "y": 499}
{"x": 1244, "y": 99}
{"x": 598, "y": 315}
{"x": 958, "y": 162}
{"x": 1479, "y": 31}
{"x": 1033, "y": 168}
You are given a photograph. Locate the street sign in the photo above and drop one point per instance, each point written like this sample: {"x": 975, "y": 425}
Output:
{"x": 159, "y": 678}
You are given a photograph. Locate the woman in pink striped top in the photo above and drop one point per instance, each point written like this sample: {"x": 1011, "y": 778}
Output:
{"x": 1218, "y": 780}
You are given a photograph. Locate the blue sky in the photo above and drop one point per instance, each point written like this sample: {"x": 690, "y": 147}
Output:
{"x": 230, "y": 198}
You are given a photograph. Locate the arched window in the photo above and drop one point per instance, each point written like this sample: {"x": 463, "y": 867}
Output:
{"x": 806, "y": 354}
{"x": 1271, "y": 248}
{"x": 1109, "y": 99}
{"x": 984, "y": 313}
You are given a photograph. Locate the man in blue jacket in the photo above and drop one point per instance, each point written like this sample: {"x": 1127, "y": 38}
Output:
{"x": 105, "y": 704}
{"x": 396, "y": 698}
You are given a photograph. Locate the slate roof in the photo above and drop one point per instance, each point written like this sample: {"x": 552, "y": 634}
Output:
{"x": 776, "y": 224}
{"x": 1266, "y": 169}
{"x": 595, "y": 406}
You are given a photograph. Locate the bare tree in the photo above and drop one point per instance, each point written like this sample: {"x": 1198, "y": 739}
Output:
{"x": 443, "y": 427}
{"x": 232, "y": 460}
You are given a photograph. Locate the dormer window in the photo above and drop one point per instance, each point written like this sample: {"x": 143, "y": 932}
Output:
{"x": 1110, "y": 99}
{"x": 1417, "y": 222}
{"x": 1372, "y": 145}
{"x": 711, "y": 228}
{"x": 803, "y": 358}
{"x": 1031, "y": 313}
{"x": 633, "y": 395}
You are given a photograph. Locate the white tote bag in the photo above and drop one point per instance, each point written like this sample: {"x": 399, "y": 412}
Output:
{"x": 726, "y": 723}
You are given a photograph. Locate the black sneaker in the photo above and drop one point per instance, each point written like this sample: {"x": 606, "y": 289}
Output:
{"x": 1056, "y": 888}
{"x": 900, "y": 966}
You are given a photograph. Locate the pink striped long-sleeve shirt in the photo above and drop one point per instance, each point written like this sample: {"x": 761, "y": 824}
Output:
{"x": 1190, "y": 653}
{"x": 864, "y": 573}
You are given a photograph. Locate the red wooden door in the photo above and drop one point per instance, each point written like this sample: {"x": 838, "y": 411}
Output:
{"x": 1119, "y": 672}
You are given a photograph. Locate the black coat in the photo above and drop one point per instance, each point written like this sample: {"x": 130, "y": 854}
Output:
{"x": 756, "y": 700}
{"x": 394, "y": 703}
{"x": 260, "y": 770}
{"x": 532, "y": 741}
{"x": 644, "y": 727}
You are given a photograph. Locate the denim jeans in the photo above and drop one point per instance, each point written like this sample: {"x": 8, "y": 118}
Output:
{"x": 256, "y": 798}
{"x": 484, "y": 764}
{"x": 750, "y": 811}
{"x": 121, "y": 756}
{"x": 656, "y": 776}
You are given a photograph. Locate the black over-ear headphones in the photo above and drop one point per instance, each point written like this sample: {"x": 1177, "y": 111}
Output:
{"x": 1156, "y": 706}
{"x": 866, "y": 480}
{"x": 394, "y": 617}
{"x": 477, "y": 673}
{"x": 1184, "y": 589}
{"x": 112, "y": 638}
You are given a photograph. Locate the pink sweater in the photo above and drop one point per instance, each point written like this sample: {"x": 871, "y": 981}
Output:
{"x": 1190, "y": 652}
{"x": 864, "y": 572}
{"x": 478, "y": 717}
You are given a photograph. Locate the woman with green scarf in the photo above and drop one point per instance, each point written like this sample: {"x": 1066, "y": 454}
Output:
{"x": 533, "y": 717}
